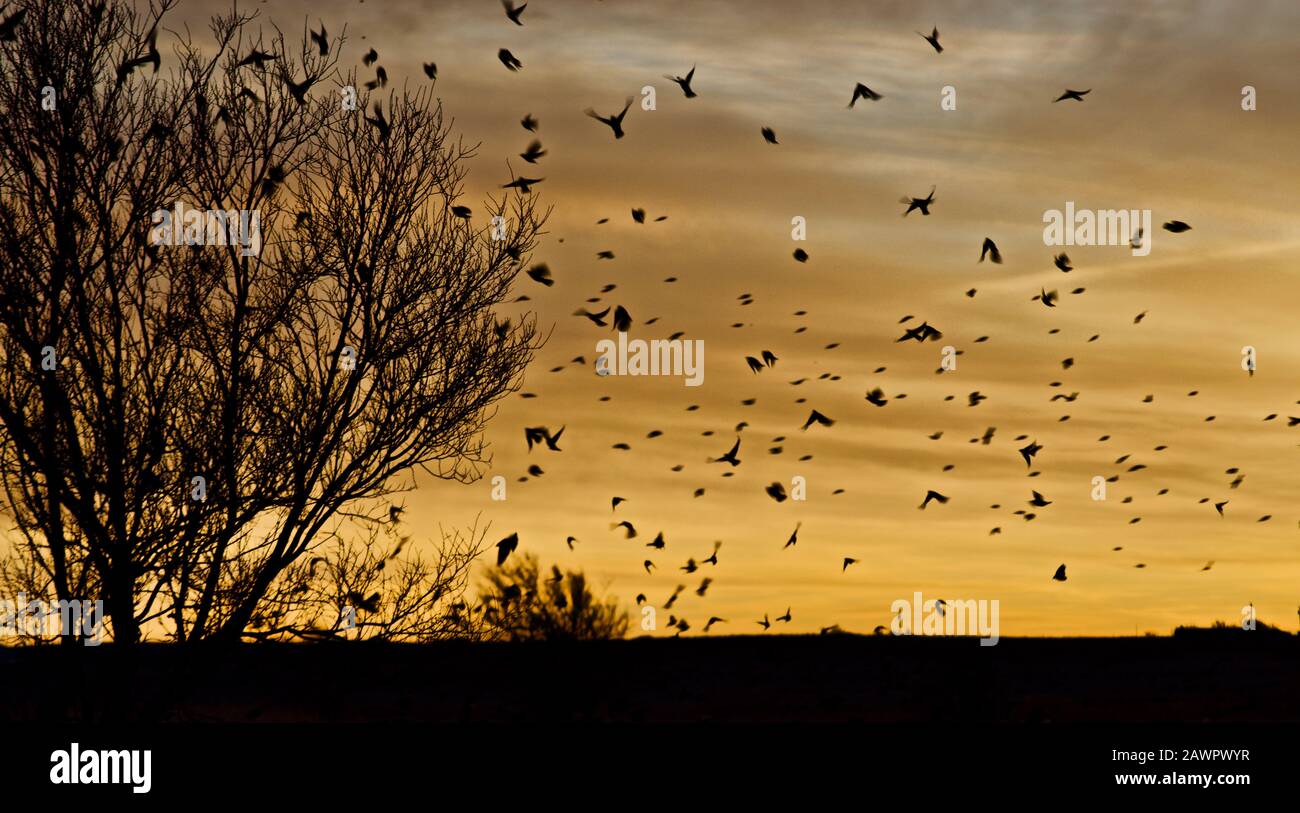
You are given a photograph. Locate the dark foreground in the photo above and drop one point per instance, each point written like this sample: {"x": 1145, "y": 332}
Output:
{"x": 1226, "y": 677}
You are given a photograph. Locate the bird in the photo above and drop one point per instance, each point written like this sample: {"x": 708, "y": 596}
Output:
{"x": 512, "y": 12}
{"x": 598, "y": 318}
{"x": 1218, "y": 506}
{"x": 371, "y": 57}
{"x": 816, "y": 417}
{"x": 533, "y": 152}
{"x": 777, "y": 492}
{"x": 1176, "y": 226}
{"x": 990, "y": 248}
{"x": 932, "y": 495}
{"x": 1029, "y": 451}
{"x": 1048, "y": 298}
{"x": 861, "y": 91}
{"x": 541, "y": 273}
{"x": 918, "y": 203}
{"x": 628, "y": 529}
{"x": 431, "y": 70}
{"x": 1039, "y": 501}
{"x": 729, "y": 457}
{"x": 381, "y": 124}
{"x": 570, "y": 540}
{"x": 321, "y": 40}
{"x": 615, "y": 122}
{"x": 933, "y": 39}
{"x": 1062, "y": 262}
{"x": 380, "y": 80}
{"x": 786, "y": 618}
{"x": 769, "y": 135}
{"x": 151, "y": 55}
{"x": 506, "y": 547}
{"x": 508, "y": 59}
{"x": 713, "y": 620}
{"x": 1060, "y": 574}
{"x": 622, "y": 319}
{"x": 529, "y": 123}
{"x": 800, "y": 255}
{"x": 848, "y": 560}
{"x": 794, "y": 536}
{"x": 765, "y": 624}
{"x": 685, "y": 82}
{"x": 369, "y": 604}
{"x": 298, "y": 90}
{"x": 524, "y": 185}
{"x": 1076, "y": 95}
{"x": 257, "y": 58}
{"x": 876, "y": 397}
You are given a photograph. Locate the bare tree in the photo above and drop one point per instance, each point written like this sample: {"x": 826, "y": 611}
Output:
{"x": 181, "y": 426}
{"x": 518, "y": 604}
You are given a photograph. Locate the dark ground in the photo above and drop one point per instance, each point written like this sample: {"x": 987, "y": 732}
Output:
{"x": 1232, "y": 677}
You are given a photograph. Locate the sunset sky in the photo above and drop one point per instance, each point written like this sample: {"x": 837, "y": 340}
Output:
{"x": 1163, "y": 129}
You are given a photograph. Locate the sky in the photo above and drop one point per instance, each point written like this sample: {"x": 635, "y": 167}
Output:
{"x": 1163, "y": 129}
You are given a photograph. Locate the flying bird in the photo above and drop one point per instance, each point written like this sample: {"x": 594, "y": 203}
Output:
{"x": 918, "y": 203}
{"x": 933, "y": 39}
{"x": 321, "y": 40}
{"x": 615, "y": 123}
{"x": 816, "y": 417}
{"x": 1076, "y": 95}
{"x": 861, "y": 91}
{"x": 769, "y": 135}
{"x": 1029, "y": 451}
{"x": 932, "y": 495}
{"x": 1062, "y": 262}
{"x": 730, "y": 457}
{"x": 685, "y": 82}
{"x": 506, "y": 547}
{"x": 512, "y": 12}
{"x": 990, "y": 248}
{"x": 509, "y": 60}
{"x": 1060, "y": 574}
{"x": 1176, "y": 226}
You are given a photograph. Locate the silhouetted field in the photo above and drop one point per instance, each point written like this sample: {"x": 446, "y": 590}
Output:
{"x": 1236, "y": 677}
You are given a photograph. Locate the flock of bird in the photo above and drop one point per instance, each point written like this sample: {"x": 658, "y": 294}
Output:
{"x": 762, "y": 361}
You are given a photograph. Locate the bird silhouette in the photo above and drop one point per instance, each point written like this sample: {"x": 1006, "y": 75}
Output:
{"x": 932, "y": 495}
{"x": 321, "y": 40}
{"x": 816, "y": 417}
{"x": 506, "y": 547}
{"x": 1076, "y": 95}
{"x": 614, "y": 122}
{"x": 533, "y": 152}
{"x": 933, "y": 39}
{"x": 923, "y": 204}
{"x": 769, "y": 135}
{"x": 508, "y": 59}
{"x": 1060, "y": 574}
{"x": 730, "y": 456}
{"x": 514, "y": 13}
{"x": 685, "y": 82}
{"x": 861, "y": 91}
{"x": 990, "y": 248}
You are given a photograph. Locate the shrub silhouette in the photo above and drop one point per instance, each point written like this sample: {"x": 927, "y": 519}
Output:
{"x": 518, "y": 604}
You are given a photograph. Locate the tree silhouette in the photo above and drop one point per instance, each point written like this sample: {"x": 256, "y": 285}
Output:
{"x": 518, "y": 604}
{"x": 183, "y": 427}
